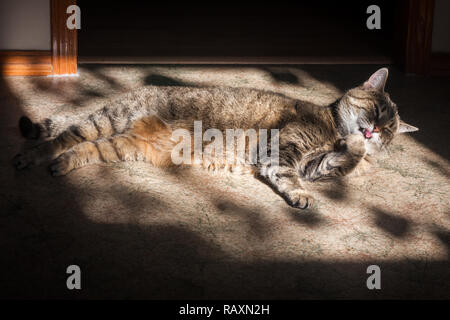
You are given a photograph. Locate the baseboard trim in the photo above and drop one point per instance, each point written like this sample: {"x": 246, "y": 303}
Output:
{"x": 26, "y": 63}
{"x": 234, "y": 60}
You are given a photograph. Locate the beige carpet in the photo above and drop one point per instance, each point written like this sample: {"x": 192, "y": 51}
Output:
{"x": 141, "y": 232}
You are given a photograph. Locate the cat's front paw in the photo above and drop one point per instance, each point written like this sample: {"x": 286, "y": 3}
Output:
{"x": 22, "y": 160}
{"x": 299, "y": 199}
{"x": 356, "y": 144}
{"x": 61, "y": 166}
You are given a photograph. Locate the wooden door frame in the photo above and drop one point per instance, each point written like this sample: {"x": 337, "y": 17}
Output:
{"x": 414, "y": 33}
{"x": 61, "y": 59}
{"x": 414, "y": 27}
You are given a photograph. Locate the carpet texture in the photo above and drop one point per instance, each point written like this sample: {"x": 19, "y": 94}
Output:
{"x": 141, "y": 232}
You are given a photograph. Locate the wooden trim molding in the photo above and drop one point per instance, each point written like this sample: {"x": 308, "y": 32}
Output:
{"x": 60, "y": 60}
{"x": 64, "y": 41}
{"x": 25, "y": 63}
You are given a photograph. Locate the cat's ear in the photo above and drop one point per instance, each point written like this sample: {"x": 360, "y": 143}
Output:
{"x": 377, "y": 80}
{"x": 404, "y": 127}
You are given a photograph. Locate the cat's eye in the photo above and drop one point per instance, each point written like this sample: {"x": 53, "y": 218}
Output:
{"x": 376, "y": 129}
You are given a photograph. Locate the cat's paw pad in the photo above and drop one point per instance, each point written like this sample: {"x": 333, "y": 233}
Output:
{"x": 21, "y": 161}
{"x": 356, "y": 144}
{"x": 299, "y": 199}
{"x": 60, "y": 166}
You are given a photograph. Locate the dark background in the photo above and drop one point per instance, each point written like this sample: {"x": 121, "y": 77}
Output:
{"x": 321, "y": 29}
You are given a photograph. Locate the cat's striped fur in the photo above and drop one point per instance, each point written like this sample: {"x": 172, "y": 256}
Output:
{"x": 314, "y": 142}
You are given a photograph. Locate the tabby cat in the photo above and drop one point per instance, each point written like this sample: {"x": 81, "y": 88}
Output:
{"x": 314, "y": 142}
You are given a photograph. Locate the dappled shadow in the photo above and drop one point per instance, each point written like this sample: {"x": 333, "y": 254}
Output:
{"x": 438, "y": 166}
{"x": 44, "y": 227}
{"x": 283, "y": 76}
{"x": 395, "y": 225}
{"x": 70, "y": 90}
{"x": 97, "y": 85}
{"x": 335, "y": 189}
{"x": 309, "y": 217}
{"x": 98, "y": 72}
{"x": 444, "y": 236}
{"x": 252, "y": 216}
{"x": 160, "y": 80}
{"x": 333, "y": 74}
{"x": 136, "y": 202}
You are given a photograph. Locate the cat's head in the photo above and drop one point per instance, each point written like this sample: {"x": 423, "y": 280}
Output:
{"x": 368, "y": 110}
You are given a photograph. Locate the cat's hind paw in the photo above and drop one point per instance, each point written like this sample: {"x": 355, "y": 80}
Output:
{"x": 60, "y": 166}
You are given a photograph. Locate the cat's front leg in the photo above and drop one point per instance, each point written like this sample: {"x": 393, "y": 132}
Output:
{"x": 337, "y": 163}
{"x": 285, "y": 180}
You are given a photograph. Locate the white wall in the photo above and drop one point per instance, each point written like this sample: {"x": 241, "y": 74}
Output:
{"x": 24, "y": 24}
{"x": 441, "y": 26}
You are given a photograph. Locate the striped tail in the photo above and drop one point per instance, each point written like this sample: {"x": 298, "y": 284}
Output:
{"x": 29, "y": 129}
{"x": 33, "y": 131}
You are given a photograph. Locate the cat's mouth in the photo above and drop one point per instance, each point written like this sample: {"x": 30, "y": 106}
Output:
{"x": 367, "y": 133}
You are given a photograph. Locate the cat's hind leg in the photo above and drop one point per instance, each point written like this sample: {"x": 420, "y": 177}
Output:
{"x": 96, "y": 126}
{"x": 114, "y": 149}
{"x": 148, "y": 140}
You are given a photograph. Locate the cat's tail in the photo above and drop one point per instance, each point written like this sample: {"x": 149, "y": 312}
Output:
{"x": 32, "y": 131}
